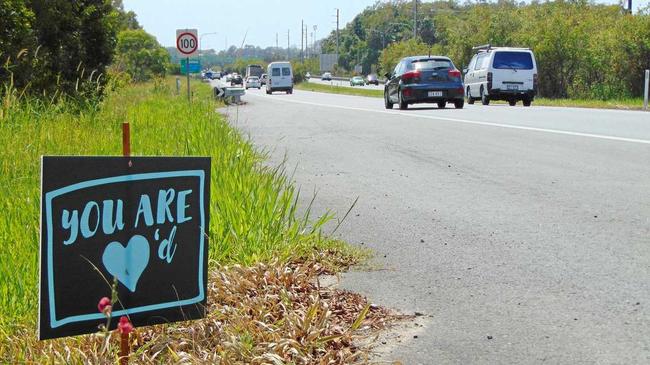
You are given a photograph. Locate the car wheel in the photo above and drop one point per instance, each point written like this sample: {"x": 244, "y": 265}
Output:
{"x": 485, "y": 100}
{"x": 470, "y": 99}
{"x": 268, "y": 92}
{"x": 387, "y": 103}
{"x": 512, "y": 102}
{"x": 402, "y": 104}
{"x": 442, "y": 104}
{"x": 459, "y": 104}
{"x": 527, "y": 102}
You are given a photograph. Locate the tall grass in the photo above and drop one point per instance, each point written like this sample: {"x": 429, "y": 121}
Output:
{"x": 253, "y": 208}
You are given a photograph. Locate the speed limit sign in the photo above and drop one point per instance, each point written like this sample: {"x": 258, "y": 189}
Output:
{"x": 187, "y": 42}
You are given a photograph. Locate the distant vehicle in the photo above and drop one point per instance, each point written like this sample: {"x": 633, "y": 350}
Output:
{"x": 236, "y": 80}
{"x": 424, "y": 79}
{"x": 253, "y": 81}
{"x": 307, "y": 76}
{"x": 372, "y": 79}
{"x": 357, "y": 81}
{"x": 254, "y": 70}
{"x": 280, "y": 77}
{"x": 228, "y": 77}
{"x": 216, "y": 75}
{"x": 501, "y": 73}
{"x": 326, "y": 76}
{"x": 263, "y": 79}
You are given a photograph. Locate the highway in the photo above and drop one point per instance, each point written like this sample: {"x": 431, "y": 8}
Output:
{"x": 521, "y": 235}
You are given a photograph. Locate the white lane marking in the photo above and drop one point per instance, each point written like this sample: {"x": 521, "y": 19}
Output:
{"x": 475, "y": 122}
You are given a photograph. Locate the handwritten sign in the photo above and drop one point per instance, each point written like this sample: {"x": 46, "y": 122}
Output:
{"x": 144, "y": 224}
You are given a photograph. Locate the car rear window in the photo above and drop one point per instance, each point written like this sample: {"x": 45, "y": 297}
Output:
{"x": 431, "y": 64}
{"x": 286, "y": 71}
{"x": 275, "y": 72}
{"x": 513, "y": 60}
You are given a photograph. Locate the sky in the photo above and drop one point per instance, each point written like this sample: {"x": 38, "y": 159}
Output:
{"x": 258, "y": 20}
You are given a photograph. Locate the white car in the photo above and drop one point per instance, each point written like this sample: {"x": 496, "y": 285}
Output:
{"x": 280, "y": 77}
{"x": 501, "y": 73}
{"x": 253, "y": 81}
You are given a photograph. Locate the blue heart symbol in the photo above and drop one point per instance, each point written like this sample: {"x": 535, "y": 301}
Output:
{"x": 127, "y": 263}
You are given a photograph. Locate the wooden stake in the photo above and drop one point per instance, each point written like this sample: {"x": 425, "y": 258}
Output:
{"x": 126, "y": 139}
{"x": 124, "y": 348}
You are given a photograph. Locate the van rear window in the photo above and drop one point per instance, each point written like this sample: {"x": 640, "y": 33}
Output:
{"x": 513, "y": 60}
{"x": 431, "y": 64}
{"x": 275, "y": 71}
{"x": 286, "y": 71}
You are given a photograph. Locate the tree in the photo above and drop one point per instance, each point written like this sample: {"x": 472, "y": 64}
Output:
{"x": 17, "y": 41}
{"x": 140, "y": 55}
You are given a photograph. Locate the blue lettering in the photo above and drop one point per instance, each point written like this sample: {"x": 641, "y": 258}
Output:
{"x": 109, "y": 226}
{"x": 144, "y": 208}
{"x": 71, "y": 222}
{"x": 180, "y": 206}
{"x": 165, "y": 198}
{"x": 85, "y": 217}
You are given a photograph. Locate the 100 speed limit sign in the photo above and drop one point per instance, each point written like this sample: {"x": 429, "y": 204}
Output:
{"x": 187, "y": 41}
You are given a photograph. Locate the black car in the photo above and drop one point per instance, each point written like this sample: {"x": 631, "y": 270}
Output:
{"x": 424, "y": 79}
{"x": 236, "y": 80}
{"x": 372, "y": 80}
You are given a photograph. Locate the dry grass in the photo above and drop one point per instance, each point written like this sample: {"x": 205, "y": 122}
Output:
{"x": 265, "y": 314}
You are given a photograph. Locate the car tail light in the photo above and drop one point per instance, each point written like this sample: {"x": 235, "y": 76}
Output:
{"x": 454, "y": 73}
{"x": 411, "y": 77}
{"x": 535, "y": 82}
{"x": 489, "y": 81}
{"x": 460, "y": 90}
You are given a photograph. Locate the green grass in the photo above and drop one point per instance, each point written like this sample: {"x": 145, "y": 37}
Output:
{"x": 253, "y": 208}
{"x": 625, "y": 104}
{"x": 310, "y": 86}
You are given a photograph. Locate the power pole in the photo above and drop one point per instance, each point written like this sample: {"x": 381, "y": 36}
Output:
{"x": 629, "y": 6}
{"x": 337, "y": 36}
{"x": 302, "y": 38}
{"x": 288, "y": 46}
{"x": 276, "y": 39}
{"x": 415, "y": 19}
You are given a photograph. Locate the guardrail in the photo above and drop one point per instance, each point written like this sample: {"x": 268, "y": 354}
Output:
{"x": 340, "y": 78}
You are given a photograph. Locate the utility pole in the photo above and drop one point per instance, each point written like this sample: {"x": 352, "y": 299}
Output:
{"x": 337, "y": 36}
{"x": 629, "y": 6}
{"x": 415, "y": 19}
{"x": 276, "y": 39}
{"x": 302, "y": 38}
{"x": 288, "y": 47}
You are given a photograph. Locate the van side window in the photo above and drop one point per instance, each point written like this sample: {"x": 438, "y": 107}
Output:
{"x": 472, "y": 63}
{"x": 275, "y": 71}
{"x": 286, "y": 71}
{"x": 479, "y": 61}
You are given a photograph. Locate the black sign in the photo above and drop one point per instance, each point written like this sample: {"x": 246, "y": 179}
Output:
{"x": 141, "y": 220}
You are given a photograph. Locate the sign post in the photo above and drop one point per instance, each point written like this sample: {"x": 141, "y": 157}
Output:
{"x": 645, "y": 89}
{"x": 187, "y": 43}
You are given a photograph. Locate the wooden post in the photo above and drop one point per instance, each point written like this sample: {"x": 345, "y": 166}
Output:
{"x": 126, "y": 140}
{"x": 126, "y": 152}
{"x": 124, "y": 348}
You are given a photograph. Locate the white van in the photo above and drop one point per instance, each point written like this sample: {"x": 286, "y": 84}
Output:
{"x": 280, "y": 77}
{"x": 501, "y": 73}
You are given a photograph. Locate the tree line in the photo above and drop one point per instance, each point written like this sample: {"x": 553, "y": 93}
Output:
{"x": 583, "y": 49}
{"x": 63, "y": 47}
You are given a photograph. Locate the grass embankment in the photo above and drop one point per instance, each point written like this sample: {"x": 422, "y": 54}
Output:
{"x": 253, "y": 208}
{"x": 310, "y": 86}
{"x": 623, "y": 104}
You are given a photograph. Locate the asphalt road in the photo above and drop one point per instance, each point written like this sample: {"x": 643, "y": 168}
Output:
{"x": 522, "y": 234}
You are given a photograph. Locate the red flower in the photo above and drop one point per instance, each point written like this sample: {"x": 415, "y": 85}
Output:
{"x": 125, "y": 326}
{"x": 104, "y": 304}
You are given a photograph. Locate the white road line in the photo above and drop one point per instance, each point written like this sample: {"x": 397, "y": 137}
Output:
{"x": 475, "y": 122}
